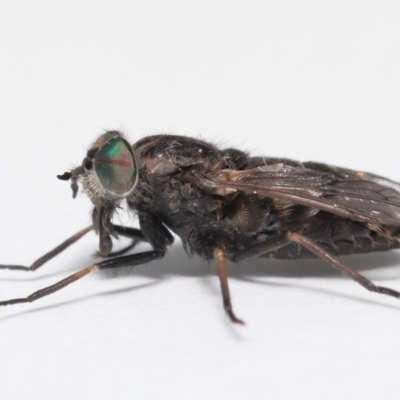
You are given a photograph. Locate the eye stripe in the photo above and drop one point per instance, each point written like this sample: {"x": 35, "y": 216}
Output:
{"x": 118, "y": 163}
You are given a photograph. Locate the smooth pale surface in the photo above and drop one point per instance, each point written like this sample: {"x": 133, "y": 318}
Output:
{"x": 307, "y": 80}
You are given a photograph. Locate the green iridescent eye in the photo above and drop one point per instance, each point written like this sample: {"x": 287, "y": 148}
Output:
{"x": 115, "y": 166}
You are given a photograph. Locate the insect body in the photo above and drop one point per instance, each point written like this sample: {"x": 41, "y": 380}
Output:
{"x": 225, "y": 204}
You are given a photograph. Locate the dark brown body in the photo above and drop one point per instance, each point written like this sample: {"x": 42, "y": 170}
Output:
{"x": 206, "y": 217}
{"x": 225, "y": 204}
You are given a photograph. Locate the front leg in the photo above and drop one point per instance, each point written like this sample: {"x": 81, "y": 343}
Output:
{"x": 51, "y": 254}
{"x": 118, "y": 262}
{"x": 154, "y": 232}
{"x": 133, "y": 233}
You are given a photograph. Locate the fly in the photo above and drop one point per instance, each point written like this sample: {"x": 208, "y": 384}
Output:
{"x": 225, "y": 204}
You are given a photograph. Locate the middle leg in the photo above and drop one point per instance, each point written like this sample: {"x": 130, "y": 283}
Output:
{"x": 219, "y": 256}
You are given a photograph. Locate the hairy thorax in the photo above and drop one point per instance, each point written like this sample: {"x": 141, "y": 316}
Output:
{"x": 205, "y": 217}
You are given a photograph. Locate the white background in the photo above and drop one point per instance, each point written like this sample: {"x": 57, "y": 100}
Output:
{"x": 310, "y": 80}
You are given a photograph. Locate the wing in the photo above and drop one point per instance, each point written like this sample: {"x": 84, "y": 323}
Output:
{"x": 359, "y": 196}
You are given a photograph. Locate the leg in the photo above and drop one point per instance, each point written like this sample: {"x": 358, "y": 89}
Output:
{"x": 126, "y": 261}
{"x": 259, "y": 249}
{"x": 283, "y": 239}
{"x": 219, "y": 256}
{"x": 322, "y": 253}
{"x": 153, "y": 231}
{"x": 51, "y": 254}
{"x": 135, "y": 234}
{"x": 132, "y": 233}
{"x": 119, "y": 252}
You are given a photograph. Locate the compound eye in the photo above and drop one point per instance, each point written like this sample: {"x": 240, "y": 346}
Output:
{"x": 115, "y": 166}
